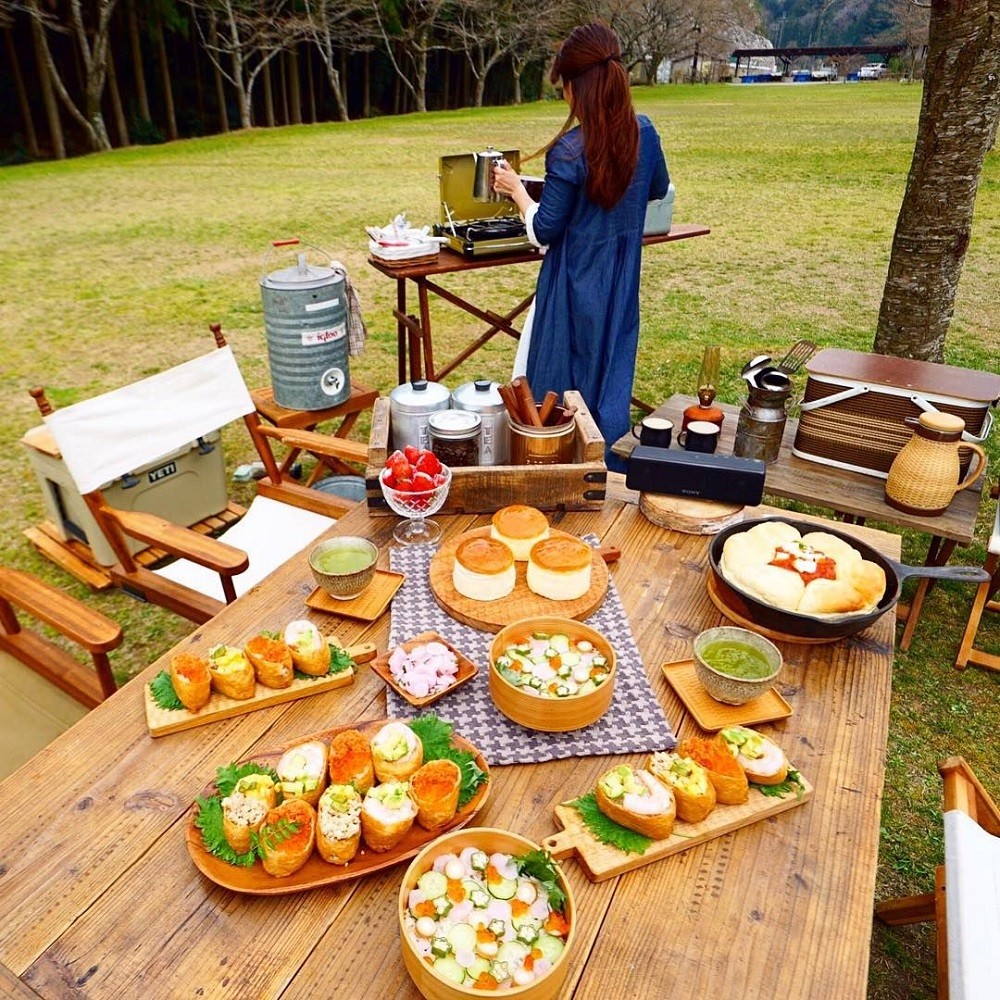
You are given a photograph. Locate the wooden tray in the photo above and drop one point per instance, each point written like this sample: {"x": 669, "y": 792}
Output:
{"x": 711, "y": 714}
{"x": 737, "y": 619}
{"x": 162, "y": 721}
{"x": 368, "y": 605}
{"x": 602, "y": 861}
{"x": 466, "y": 669}
{"x": 316, "y": 871}
{"x": 492, "y": 616}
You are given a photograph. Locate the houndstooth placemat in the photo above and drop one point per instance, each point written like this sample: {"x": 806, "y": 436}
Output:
{"x": 634, "y": 723}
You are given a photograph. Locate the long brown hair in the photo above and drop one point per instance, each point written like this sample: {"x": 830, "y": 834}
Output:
{"x": 590, "y": 60}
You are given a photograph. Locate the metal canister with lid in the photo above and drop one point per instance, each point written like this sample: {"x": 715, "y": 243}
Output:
{"x": 454, "y": 437}
{"x": 483, "y": 397}
{"x": 762, "y": 424}
{"x": 410, "y": 405}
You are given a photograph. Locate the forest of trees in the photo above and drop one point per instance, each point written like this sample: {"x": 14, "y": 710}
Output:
{"x": 83, "y": 75}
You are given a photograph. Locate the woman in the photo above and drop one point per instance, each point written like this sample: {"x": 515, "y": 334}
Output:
{"x": 584, "y": 329}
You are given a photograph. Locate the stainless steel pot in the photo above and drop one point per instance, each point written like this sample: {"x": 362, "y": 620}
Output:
{"x": 482, "y": 182}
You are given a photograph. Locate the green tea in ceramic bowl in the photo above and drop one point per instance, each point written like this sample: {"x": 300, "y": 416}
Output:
{"x": 344, "y": 566}
{"x": 734, "y": 664}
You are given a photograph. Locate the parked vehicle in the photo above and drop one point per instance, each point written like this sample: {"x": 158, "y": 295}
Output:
{"x": 873, "y": 71}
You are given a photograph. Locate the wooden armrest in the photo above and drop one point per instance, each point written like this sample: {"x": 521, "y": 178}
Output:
{"x": 963, "y": 791}
{"x": 180, "y": 541}
{"x": 320, "y": 444}
{"x": 70, "y": 617}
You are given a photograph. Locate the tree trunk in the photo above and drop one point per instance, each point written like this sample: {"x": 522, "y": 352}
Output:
{"x": 366, "y": 94}
{"x": 958, "y": 118}
{"x": 268, "y": 97}
{"x": 138, "y": 68}
{"x": 294, "y": 90}
{"x": 116, "y": 103}
{"x": 517, "y": 66}
{"x": 220, "y": 90}
{"x": 310, "y": 85}
{"x": 56, "y": 136}
{"x": 166, "y": 83}
{"x": 30, "y": 136}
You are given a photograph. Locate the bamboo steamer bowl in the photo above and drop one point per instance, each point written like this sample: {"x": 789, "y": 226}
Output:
{"x": 488, "y": 839}
{"x": 551, "y": 715}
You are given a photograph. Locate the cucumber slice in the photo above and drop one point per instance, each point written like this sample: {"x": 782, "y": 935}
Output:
{"x": 478, "y": 967}
{"x": 539, "y": 635}
{"x": 570, "y": 659}
{"x": 462, "y": 937}
{"x": 524, "y": 920}
{"x": 550, "y": 946}
{"x": 559, "y": 642}
{"x": 433, "y": 884}
{"x": 503, "y": 888}
{"x": 586, "y": 687}
{"x": 450, "y": 969}
{"x": 513, "y": 954}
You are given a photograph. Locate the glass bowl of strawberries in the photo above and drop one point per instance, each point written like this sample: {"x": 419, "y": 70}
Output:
{"x": 415, "y": 486}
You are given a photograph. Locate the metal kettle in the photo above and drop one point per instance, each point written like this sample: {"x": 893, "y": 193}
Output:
{"x": 482, "y": 183}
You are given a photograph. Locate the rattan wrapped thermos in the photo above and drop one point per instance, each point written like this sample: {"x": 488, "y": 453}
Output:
{"x": 924, "y": 476}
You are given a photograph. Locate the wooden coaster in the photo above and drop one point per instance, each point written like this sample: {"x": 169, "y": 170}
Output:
{"x": 368, "y": 605}
{"x": 711, "y": 714}
{"x": 491, "y": 616}
{"x": 692, "y": 517}
{"x": 737, "y": 619}
{"x": 466, "y": 669}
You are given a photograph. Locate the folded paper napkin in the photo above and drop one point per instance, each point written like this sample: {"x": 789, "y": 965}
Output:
{"x": 401, "y": 241}
{"x": 634, "y": 723}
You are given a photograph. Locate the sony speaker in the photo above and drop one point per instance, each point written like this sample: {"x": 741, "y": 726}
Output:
{"x": 695, "y": 475}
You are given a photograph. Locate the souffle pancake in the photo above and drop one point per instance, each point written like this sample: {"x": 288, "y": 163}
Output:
{"x": 636, "y": 800}
{"x": 351, "y": 760}
{"x": 559, "y": 568}
{"x": 519, "y": 527}
{"x": 338, "y": 826}
{"x": 396, "y": 752}
{"x": 287, "y": 837}
{"x": 483, "y": 569}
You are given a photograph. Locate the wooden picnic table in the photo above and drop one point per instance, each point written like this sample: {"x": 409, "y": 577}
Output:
{"x": 101, "y": 899}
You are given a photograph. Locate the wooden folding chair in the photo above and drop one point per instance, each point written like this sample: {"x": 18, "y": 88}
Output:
{"x": 966, "y": 898}
{"x": 105, "y": 438}
{"x": 87, "y": 628}
{"x": 985, "y": 600}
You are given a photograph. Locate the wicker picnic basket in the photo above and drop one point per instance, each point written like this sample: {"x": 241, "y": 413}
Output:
{"x": 855, "y": 406}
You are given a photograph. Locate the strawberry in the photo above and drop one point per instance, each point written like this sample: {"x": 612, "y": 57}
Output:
{"x": 428, "y": 462}
{"x": 422, "y": 482}
{"x": 412, "y": 454}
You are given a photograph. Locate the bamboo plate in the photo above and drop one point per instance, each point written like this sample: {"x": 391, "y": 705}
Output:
{"x": 368, "y": 605}
{"x": 712, "y": 715}
{"x": 162, "y": 721}
{"x": 602, "y": 861}
{"x": 316, "y": 871}
{"x": 491, "y": 616}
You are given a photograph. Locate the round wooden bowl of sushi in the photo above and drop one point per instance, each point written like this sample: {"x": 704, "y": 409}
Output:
{"x": 482, "y": 909}
{"x": 552, "y": 674}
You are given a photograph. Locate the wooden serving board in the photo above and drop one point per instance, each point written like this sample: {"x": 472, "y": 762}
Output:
{"x": 602, "y": 861}
{"x": 691, "y": 517}
{"x": 491, "y": 616}
{"x": 162, "y": 721}
{"x": 715, "y": 596}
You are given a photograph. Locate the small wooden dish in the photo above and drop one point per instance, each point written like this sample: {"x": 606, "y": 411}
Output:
{"x": 712, "y": 715}
{"x": 466, "y": 669}
{"x": 368, "y": 605}
{"x": 551, "y": 715}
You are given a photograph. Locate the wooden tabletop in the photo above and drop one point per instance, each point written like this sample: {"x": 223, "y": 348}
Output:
{"x": 825, "y": 485}
{"x": 101, "y": 899}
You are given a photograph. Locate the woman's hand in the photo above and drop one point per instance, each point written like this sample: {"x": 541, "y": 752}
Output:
{"x": 507, "y": 182}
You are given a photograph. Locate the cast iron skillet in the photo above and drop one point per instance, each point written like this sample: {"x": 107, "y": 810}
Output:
{"x": 834, "y": 626}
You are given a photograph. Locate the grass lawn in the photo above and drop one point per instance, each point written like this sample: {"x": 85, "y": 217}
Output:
{"x": 114, "y": 265}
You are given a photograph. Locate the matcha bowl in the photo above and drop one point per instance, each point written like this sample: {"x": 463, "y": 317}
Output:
{"x": 734, "y": 664}
{"x": 343, "y": 566}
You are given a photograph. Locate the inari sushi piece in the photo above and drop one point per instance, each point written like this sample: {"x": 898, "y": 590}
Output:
{"x": 338, "y": 829}
{"x": 310, "y": 652}
{"x": 191, "y": 680}
{"x": 351, "y": 760}
{"x": 688, "y": 780}
{"x": 287, "y": 837}
{"x": 434, "y": 787}
{"x": 762, "y": 760}
{"x": 396, "y": 752}
{"x": 302, "y": 770}
{"x": 387, "y": 814}
{"x": 635, "y": 799}
{"x": 260, "y": 786}
{"x": 232, "y": 673}
{"x": 731, "y": 788}
{"x": 271, "y": 659}
{"x": 242, "y": 816}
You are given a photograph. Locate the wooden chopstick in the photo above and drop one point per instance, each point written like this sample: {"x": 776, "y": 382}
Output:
{"x": 548, "y": 405}
{"x": 526, "y": 402}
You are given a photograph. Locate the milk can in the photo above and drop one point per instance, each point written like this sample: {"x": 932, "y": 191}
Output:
{"x": 761, "y": 424}
{"x": 305, "y": 318}
{"x": 483, "y": 397}
{"x": 410, "y": 404}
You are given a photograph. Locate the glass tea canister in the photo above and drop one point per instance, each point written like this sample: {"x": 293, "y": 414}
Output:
{"x": 454, "y": 437}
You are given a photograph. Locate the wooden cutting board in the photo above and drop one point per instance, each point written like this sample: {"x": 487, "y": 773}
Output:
{"x": 602, "y": 861}
{"x": 162, "y": 721}
{"x": 491, "y": 616}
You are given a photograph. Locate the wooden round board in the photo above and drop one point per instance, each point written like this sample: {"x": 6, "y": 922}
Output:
{"x": 737, "y": 619}
{"x": 491, "y": 616}
{"x": 691, "y": 517}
